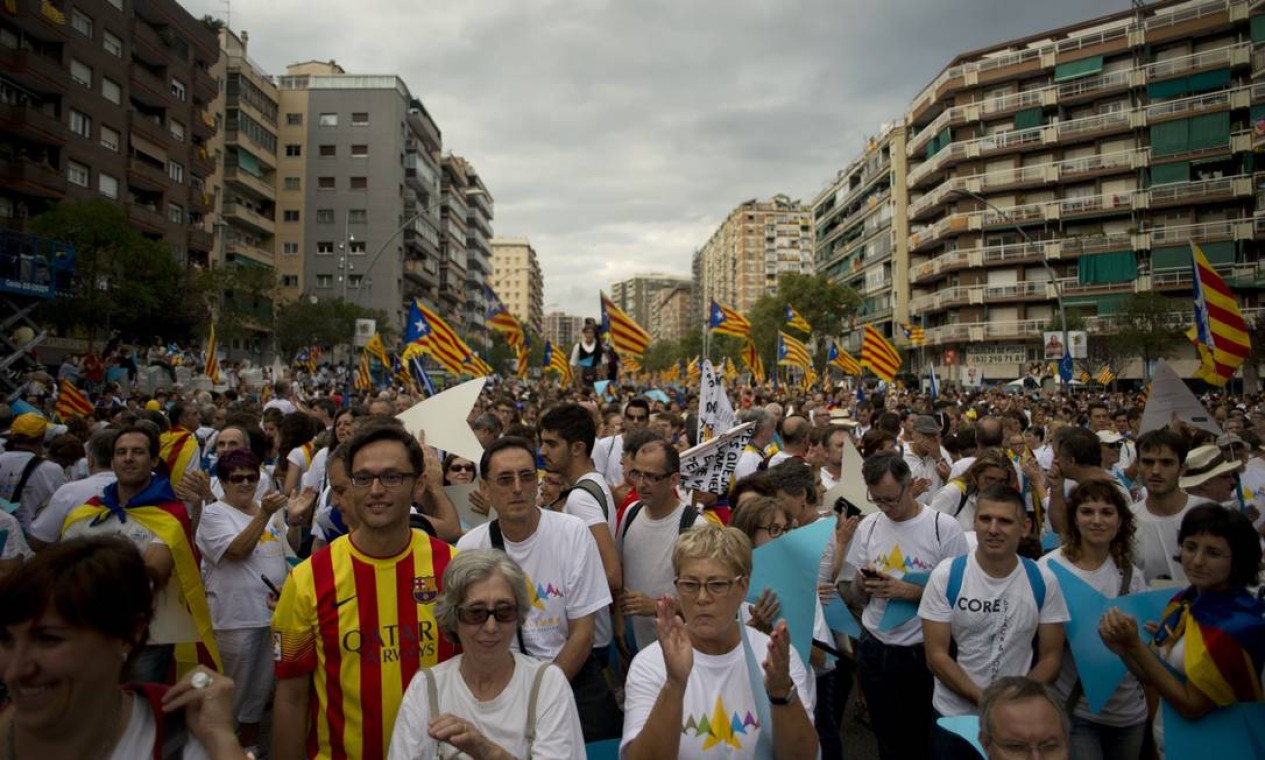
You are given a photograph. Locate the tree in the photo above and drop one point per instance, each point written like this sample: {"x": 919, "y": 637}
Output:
{"x": 123, "y": 280}
{"x": 302, "y": 323}
{"x": 236, "y": 297}
{"x": 1149, "y": 328}
{"x": 827, "y": 306}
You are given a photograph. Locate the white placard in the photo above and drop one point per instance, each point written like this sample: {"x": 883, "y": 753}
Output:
{"x": 1169, "y": 396}
{"x": 708, "y": 466}
{"x": 459, "y": 495}
{"x": 443, "y": 417}
{"x": 972, "y": 377}
{"x": 365, "y": 330}
{"x": 850, "y": 486}
{"x": 714, "y": 410}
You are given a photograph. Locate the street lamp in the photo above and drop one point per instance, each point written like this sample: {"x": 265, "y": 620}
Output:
{"x": 1058, "y": 284}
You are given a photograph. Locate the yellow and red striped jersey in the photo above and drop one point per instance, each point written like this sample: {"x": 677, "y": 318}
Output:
{"x": 360, "y": 627}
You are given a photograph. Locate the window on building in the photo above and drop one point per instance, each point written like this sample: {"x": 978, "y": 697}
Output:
{"x": 77, "y": 173}
{"x": 325, "y": 248}
{"x": 325, "y": 183}
{"x": 290, "y": 215}
{"x": 109, "y": 139}
{"x": 294, "y": 119}
{"x": 175, "y": 213}
{"x": 81, "y": 72}
{"x": 80, "y": 123}
{"x": 111, "y": 91}
{"x": 109, "y": 186}
{"x": 359, "y": 151}
{"x": 325, "y": 216}
{"x": 81, "y": 22}
{"x": 355, "y": 280}
{"x": 112, "y": 44}
{"x": 328, "y": 120}
{"x": 360, "y": 119}
{"x": 327, "y": 151}
{"x": 291, "y": 183}
{"x": 177, "y": 89}
{"x": 357, "y": 216}
{"x": 290, "y": 249}
{"x": 357, "y": 247}
{"x": 176, "y": 129}
{"x": 359, "y": 183}
{"x": 324, "y": 280}
{"x": 289, "y": 281}
{"x": 293, "y": 150}
{"x": 175, "y": 170}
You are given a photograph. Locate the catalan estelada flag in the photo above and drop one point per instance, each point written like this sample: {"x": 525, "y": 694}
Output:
{"x": 632, "y": 364}
{"x": 431, "y": 335}
{"x": 751, "y": 357}
{"x": 71, "y": 402}
{"x": 792, "y": 353}
{"x": 500, "y": 319}
{"x": 727, "y": 370}
{"x": 724, "y": 320}
{"x": 879, "y": 355}
{"x": 212, "y": 367}
{"x": 693, "y": 373}
{"x": 914, "y": 334}
{"x": 1105, "y": 375}
{"x": 793, "y": 319}
{"x": 556, "y": 361}
{"x": 1224, "y": 635}
{"x": 378, "y": 350}
{"x": 627, "y": 336}
{"x": 364, "y": 378}
{"x": 1221, "y": 333}
{"x": 837, "y": 357}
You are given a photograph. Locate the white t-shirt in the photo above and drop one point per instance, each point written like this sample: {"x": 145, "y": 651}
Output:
{"x": 828, "y": 481}
{"x": 502, "y": 719}
{"x": 898, "y": 548}
{"x": 13, "y": 545}
{"x": 748, "y": 462}
{"x": 949, "y": 501}
{"x": 925, "y": 467}
{"x": 565, "y": 578}
{"x": 315, "y": 475}
{"x": 1127, "y": 706}
{"x": 48, "y": 523}
{"x": 283, "y": 404}
{"x": 264, "y": 486}
{"x": 45, "y": 479}
{"x": 1155, "y": 543}
{"x": 993, "y": 624}
{"x": 138, "y": 738}
{"x": 646, "y": 553}
{"x": 719, "y": 710}
{"x": 607, "y": 453}
{"x": 581, "y": 504}
{"x": 234, "y": 591}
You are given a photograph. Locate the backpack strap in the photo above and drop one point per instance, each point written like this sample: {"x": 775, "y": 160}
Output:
{"x": 594, "y": 490}
{"x": 1126, "y": 580}
{"x": 964, "y": 498}
{"x": 630, "y": 515}
{"x": 498, "y": 542}
{"x": 957, "y": 569}
{"x": 689, "y": 516}
{"x": 31, "y": 465}
{"x": 432, "y": 694}
{"x": 1035, "y": 580}
{"x": 532, "y": 701}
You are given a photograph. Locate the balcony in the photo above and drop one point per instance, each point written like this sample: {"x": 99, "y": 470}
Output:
{"x": 33, "y": 124}
{"x": 1077, "y": 246}
{"x": 146, "y": 175}
{"x": 948, "y": 333}
{"x": 1019, "y": 329}
{"x": 147, "y": 88}
{"x": 151, "y": 130}
{"x": 205, "y": 88}
{"x": 418, "y": 175}
{"x": 1095, "y": 126}
{"x": 49, "y": 17}
{"x": 1009, "y": 254}
{"x": 236, "y": 246}
{"x": 249, "y": 217}
{"x": 1183, "y": 107}
{"x": 147, "y": 46}
{"x": 1093, "y": 205}
{"x": 203, "y": 125}
{"x": 200, "y": 202}
{"x": 952, "y": 224}
{"x": 200, "y": 239}
{"x": 1026, "y": 291}
{"x": 422, "y": 271}
{"x": 30, "y": 178}
{"x": 1181, "y": 234}
{"x": 201, "y": 162}
{"x": 1073, "y": 286}
{"x": 1088, "y": 88}
{"x": 1205, "y": 191}
{"x": 421, "y": 234}
{"x": 37, "y": 73}
{"x": 146, "y": 218}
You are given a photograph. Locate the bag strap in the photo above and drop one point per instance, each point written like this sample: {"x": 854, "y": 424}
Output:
{"x": 498, "y": 542}
{"x": 532, "y": 700}
{"x": 689, "y": 516}
{"x": 631, "y": 515}
{"x": 432, "y": 694}
{"x": 27, "y": 471}
{"x": 594, "y": 490}
{"x": 965, "y": 497}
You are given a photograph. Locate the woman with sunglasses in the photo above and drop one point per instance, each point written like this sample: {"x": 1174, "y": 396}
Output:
{"x": 709, "y": 680}
{"x": 241, "y": 539}
{"x": 488, "y": 701}
{"x": 458, "y": 471}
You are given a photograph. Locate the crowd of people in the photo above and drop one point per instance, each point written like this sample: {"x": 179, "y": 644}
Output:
{"x": 286, "y": 571}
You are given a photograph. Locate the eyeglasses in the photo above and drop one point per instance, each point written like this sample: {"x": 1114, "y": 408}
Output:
{"x": 245, "y": 478}
{"x": 1117, "y": 445}
{"x": 387, "y": 479}
{"x": 653, "y": 477}
{"x": 715, "y": 586}
{"x": 461, "y": 467}
{"x": 881, "y": 501}
{"x": 507, "y": 480}
{"x": 636, "y": 417}
{"x": 773, "y": 529}
{"x": 478, "y": 615}
{"x": 1046, "y": 748}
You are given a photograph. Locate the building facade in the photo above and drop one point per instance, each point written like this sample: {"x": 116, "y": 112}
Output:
{"x": 453, "y": 214}
{"x": 478, "y": 265}
{"x": 517, "y": 279}
{"x": 637, "y": 295}
{"x": 562, "y": 329}
{"x": 671, "y": 314}
{"x": 106, "y": 99}
{"x": 759, "y": 241}
{"x": 860, "y": 231}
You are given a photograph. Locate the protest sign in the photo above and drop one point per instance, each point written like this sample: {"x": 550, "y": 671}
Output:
{"x": 715, "y": 413}
{"x": 708, "y": 466}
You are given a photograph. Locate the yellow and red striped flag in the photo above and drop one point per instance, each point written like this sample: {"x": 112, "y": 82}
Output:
{"x": 364, "y": 378}
{"x": 556, "y": 361}
{"x": 71, "y": 402}
{"x": 751, "y": 357}
{"x": 878, "y": 354}
{"x": 632, "y": 364}
{"x": 627, "y": 336}
{"x": 915, "y": 335}
{"x": 376, "y": 347}
{"x": 793, "y": 319}
{"x": 724, "y": 320}
{"x": 1220, "y": 332}
{"x": 1105, "y": 375}
{"x": 837, "y": 357}
{"x": 792, "y": 353}
{"x": 212, "y": 367}
{"x": 693, "y": 373}
{"x": 727, "y": 370}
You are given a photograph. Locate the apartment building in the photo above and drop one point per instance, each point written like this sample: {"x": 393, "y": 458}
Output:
{"x": 478, "y": 265}
{"x": 453, "y": 214}
{"x": 359, "y": 197}
{"x": 517, "y": 279}
{"x": 757, "y": 242}
{"x": 562, "y": 329}
{"x": 102, "y": 98}
{"x": 637, "y": 295}
{"x": 860, "y": 229}
{"x": 1082, "y": 162}
{"x": 671, "y": 315}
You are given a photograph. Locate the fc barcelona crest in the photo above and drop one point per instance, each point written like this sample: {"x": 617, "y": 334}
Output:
{"x": 424, "y": 589}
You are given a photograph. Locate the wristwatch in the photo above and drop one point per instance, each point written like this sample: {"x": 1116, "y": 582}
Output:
{"x": 791, "y": 698}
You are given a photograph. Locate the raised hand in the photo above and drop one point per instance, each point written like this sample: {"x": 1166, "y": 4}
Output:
{"x": 678, "y": 652}
{"x": 1118, "y": 631}
{"x": 777, "y": 666}
{"x": 765, "y": 610}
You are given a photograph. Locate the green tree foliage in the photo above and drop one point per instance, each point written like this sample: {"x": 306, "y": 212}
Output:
{"x": 325, "y": 323}
{"x": 1148, "y": 328}
{"x": 123, "y": 280}
{"x": 827, "y": 306}
{"x": 238, "y": 298}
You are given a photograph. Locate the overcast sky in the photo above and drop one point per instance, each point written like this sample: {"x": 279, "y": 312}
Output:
{"x": 618, "y": 135}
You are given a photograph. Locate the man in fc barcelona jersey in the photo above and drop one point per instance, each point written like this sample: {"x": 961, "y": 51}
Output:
{"x": 356, "y": 620}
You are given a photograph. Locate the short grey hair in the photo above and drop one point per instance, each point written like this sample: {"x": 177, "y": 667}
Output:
{"x": 1016, "y": 689}
{"x": 877, "y": 465}
{"x": 759, "y": 416}
{"x": 471, "y": 567}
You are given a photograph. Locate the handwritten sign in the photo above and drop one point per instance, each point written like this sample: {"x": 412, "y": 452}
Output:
{"x": 708, "y": 466}
{"x": 715, "y": 413}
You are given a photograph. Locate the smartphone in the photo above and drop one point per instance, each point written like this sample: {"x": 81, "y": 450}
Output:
{"x": 271, "y": 586}
{"x": 868, "y": 573}
{"x": 846, "y": 508}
